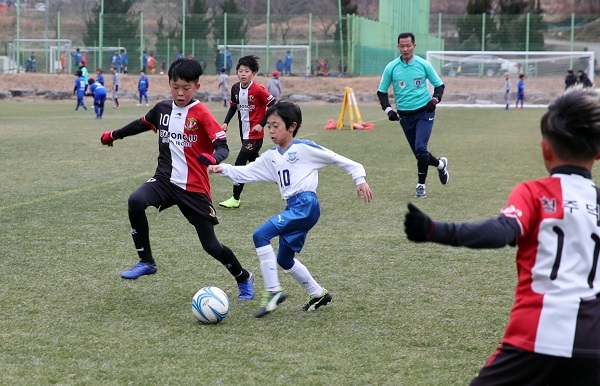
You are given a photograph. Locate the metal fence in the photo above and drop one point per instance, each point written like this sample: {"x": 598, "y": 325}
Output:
{"x": 363, "y": 47}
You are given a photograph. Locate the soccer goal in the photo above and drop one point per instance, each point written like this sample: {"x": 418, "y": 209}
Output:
{"x": 92, "y": 55}
{"x": 497, "y": 63}
{"x": 270, "y": 54}
{"x": 20, "y": 49}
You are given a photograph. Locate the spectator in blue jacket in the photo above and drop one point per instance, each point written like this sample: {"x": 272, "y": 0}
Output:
{"x": 144, "y": 60}
{"x": 288, "y": 63}
{"x": 124, "y": 61}
{"x": 76, "y": 57}
{"x": 116, "y": 61}
{"x": 31, "y": 63}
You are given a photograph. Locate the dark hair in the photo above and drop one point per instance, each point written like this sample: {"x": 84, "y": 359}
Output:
{"x": 249, "y": 61}
{"x": 405, "y": 35}
{"x": 91, "y": 81}
{"x": 79, "y": 73}
{"x": 572, "y": 124}
{"x": 185, "y": 69}
{"x": 288, "y": 112}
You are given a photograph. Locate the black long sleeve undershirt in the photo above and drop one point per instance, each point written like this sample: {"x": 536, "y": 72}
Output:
{"x": 384, "y": 100}
{"x": 492, "y": 233}
{"x": 221, "y": 149}
{"x": 136, "y": 127}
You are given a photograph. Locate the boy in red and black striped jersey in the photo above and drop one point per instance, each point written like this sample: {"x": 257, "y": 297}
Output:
{"x": 553, "y": 335}
{"x": 189, "y": 139}
{"x": 251, "y": 101}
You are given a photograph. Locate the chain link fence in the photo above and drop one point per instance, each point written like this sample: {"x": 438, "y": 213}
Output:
{"x": 42, "y": 41}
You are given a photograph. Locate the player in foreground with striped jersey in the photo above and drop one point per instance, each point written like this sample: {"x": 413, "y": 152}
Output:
{"x": 250, "y": 100}
{"x": 408, "y": 77}
{"x": 189, "y": 139}
{"x": 293, "y": 164}
{"x": 553, "y": 335}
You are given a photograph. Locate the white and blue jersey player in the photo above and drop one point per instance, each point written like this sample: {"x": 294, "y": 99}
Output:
{"x": 408, "y": 76}
{"x": 293, "y": 164}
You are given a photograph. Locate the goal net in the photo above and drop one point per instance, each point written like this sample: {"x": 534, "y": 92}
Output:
{"x": 552, "y": 64}
{"x": 269, "y": 55}
{"x": 92, "y": 56}
{"x": 20, "y": 50}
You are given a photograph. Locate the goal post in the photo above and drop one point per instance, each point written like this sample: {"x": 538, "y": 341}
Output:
{"x": 20, "y": 49}
{"x": 269, "y": 55}
{"x": 496, "y": 63}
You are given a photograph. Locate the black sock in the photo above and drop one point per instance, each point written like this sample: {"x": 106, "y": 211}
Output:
{"x": 140, "y": 233}
{"x": 422, "y": 165}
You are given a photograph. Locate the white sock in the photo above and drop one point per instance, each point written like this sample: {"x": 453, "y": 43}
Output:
{"x": 441, "y": 164}
{"x": 268, "y": 267}
{"x": 303, "y": 277}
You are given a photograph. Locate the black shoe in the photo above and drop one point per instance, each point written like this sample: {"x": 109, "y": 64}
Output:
{"x": 314, "y": 303}
{"x": 444, "y": 175}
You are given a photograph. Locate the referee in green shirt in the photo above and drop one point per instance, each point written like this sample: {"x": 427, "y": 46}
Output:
{"x": 408, "y": 77}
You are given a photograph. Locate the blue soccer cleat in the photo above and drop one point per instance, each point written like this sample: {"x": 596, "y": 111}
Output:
{"x": 246, "y": 288}
{"x": 140, "y": 269}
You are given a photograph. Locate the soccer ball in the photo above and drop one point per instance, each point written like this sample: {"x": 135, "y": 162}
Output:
{"x": 210, "y": 305}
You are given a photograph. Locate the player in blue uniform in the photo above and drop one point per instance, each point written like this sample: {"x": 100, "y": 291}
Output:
{"x": 79, "y": 90}
{"x": 520, "y": 90}
{"x": 408, "y": 77}
{"x": 98, "y": 92}
{"x": 293, "y": 164}
{"x": 100, "y": 76}
{"x": 143, "y": 85}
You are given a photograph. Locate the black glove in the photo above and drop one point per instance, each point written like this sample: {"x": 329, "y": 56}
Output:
{"x": 393, "y": 116}
{"x": 207, "y": 159}
{"x": 417, "y": 225}
{"x": 431, "y": 105}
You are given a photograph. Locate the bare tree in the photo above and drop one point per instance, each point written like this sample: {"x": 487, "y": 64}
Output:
{"x": 282, "y": 15}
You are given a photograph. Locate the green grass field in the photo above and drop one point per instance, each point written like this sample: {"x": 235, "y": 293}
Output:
{"x": 402, "y": 313}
